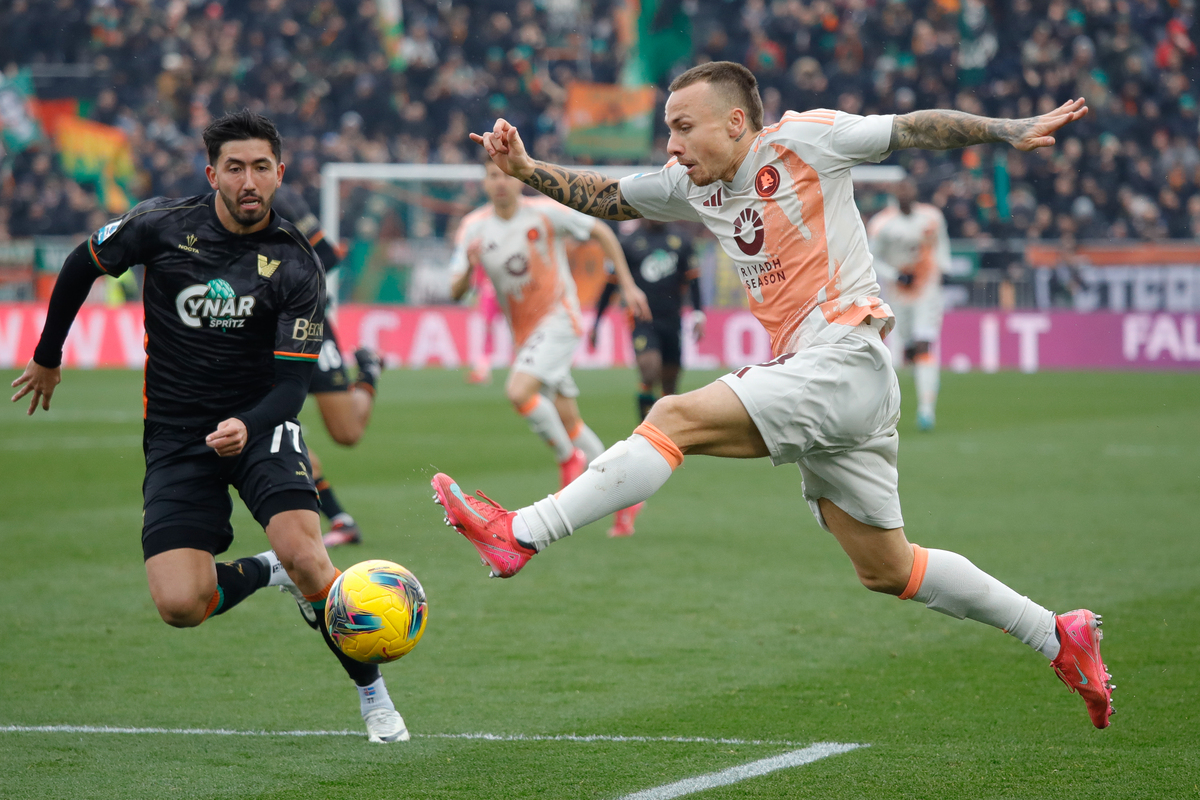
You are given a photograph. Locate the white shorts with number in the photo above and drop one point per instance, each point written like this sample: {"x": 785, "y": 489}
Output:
{"x": 832, "y": 409}
{"x": 548, "y": 352}
{"x": 918, "y": 319}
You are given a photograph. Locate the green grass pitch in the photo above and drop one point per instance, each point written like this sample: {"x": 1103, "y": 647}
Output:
{"x": 729, "y": 615}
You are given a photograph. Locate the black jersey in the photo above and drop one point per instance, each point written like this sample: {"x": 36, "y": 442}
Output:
{"x": 661, "y": 263}
{"x": 220, "y": 307}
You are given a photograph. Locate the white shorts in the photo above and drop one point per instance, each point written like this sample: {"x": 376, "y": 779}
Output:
{"x": 832, "y": 409}
{"x": 548, "y": 352}
{"x": 918, "y": 319}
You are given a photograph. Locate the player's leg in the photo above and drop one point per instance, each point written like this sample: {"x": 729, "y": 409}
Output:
{"x": 671, "y": 348}
{"x": 524, "y": 391}
{"x": 582, "y": 437}
{"x": 926, "y": 330}
{"x": 345, "y": 405}
{"x": 649, "y": 364}
{"x": 345, "y": 530}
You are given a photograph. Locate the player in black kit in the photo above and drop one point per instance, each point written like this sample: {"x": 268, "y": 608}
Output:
{"x": 234, "y": 300}
{"x": 661, "y": 263}
{"x": 345, "y": 406}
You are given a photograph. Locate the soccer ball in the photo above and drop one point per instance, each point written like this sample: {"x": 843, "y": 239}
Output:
{"x": 376, "y": 611}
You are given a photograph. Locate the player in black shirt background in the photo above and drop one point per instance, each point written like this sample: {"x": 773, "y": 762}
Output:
{"x": 345, "y": 406}
{"x": 661, "y": 263}
{"x": 234, "y": 301}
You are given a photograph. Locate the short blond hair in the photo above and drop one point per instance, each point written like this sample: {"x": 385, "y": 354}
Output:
{"x": 733, "y": 80}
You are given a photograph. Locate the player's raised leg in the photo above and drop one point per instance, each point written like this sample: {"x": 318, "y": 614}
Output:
{"x": 295, "y": 536}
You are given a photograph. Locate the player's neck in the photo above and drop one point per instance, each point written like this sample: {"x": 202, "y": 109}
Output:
{"x": 740, "y": 152}
{"x": 506, "y": 211}
{"x": 231, "y": 224}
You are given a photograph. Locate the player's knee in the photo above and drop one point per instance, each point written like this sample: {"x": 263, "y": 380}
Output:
{"x": 345, "y": 434}
{"x": 305, "y": 565}
{"x": 882, "y": 580}
{"x": 670, "y": 412}
{"x": 520, "y": 399}
{"x": 181, "y": 612}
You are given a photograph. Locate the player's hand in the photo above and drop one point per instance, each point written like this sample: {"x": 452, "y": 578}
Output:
{"x": 503, "y": 144}
{"x": 635, "y": 301}
{"x": 229, "y": 438}
{"x": 698, "y": 325}
{"x": 1037, "y": 131}
{"x": 39, "y": 381}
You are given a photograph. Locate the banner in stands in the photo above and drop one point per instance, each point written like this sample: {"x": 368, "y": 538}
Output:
{"x": 452, "y": 337}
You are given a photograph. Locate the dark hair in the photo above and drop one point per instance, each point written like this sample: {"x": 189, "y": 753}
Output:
{"x": 238, "y": 126}
{"x": 733, "y": 80}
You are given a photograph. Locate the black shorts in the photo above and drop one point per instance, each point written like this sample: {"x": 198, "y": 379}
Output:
{"x": 330, "y": 374}
{"x": 185, "y": 494}
{"x": 661, "y": 335}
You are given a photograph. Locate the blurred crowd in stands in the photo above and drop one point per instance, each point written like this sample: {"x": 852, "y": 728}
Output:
{"x": 341, "y": 86}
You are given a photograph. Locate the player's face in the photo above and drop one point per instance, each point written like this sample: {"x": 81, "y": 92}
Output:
{"x": 704, "y": 131}
{"x": 906, "y": 194}
{"x": 503, "y": 190}
{"x": 246, "y": 176}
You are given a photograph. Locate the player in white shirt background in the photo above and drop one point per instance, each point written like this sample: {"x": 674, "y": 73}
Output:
{"x": 518, "y": 241}
{"x": 780, "y": 202}
{"x": 912, "y": 249}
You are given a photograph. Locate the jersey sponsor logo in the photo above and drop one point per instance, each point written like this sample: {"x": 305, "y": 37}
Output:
{"x": 190, "y": 246}
{"x": 766, "y": 182}
{"x": 748, "y": 232}
{"x": 267, "y": 266}
{"x": 516, "y": 265}
{"x": 714, "y": 200}
{"x": 304, "y": 330}
{"x": 658, "y": 265}
{"x": 756, "y": 276}
{"x": 108, "y": 230}
{"x": 215, "y": 301}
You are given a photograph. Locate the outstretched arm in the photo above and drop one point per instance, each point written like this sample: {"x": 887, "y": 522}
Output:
{"x": 582, "y": 190}
{"x": 945, "y": 130}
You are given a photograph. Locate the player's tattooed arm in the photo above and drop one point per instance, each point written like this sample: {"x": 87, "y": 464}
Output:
{"x": 582, "y": 190}
{"x": 945, "y": 130}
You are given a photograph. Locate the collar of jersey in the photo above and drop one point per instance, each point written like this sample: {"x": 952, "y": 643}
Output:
{"x": 741, "y": 178}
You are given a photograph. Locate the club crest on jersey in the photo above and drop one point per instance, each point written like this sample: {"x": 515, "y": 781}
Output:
{"x": 214, "y": 301}
{"x": 766, "y": 182}
{"x": 749, "y": 222}
{"x": 108, "y": 230}
{"x": 267, "y": 266}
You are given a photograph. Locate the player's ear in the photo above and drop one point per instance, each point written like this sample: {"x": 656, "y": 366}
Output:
{"x": 736, "y": 123}
{"x": 210, "y": 172}
{"x": 279, "y": 174}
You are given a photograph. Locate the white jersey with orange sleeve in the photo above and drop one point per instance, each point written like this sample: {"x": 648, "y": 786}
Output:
{"x": 789, "y": 223}
{"x": 914, "y": 246}
{"x": 525, "y": 259}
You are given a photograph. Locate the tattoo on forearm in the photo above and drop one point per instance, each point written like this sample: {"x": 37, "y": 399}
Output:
{"x": 945, "y": 130}
{"x": 589, "y": 192}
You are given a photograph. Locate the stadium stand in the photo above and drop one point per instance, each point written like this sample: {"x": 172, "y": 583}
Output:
{"x": 343, "y": 88}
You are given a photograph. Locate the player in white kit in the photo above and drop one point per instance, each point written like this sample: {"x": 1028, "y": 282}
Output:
{"x": 912, "y": 249}
{"x": 519, "y": 243}
{"x": 780, "y": 202}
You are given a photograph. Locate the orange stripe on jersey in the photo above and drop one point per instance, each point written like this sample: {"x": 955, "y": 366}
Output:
{"x": 95, "y": 260}
{"x": 855, "y": 314}
{"x": 306, "y": 356}
{"x": 316, "y": 237}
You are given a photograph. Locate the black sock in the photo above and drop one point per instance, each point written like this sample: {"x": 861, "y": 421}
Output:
{"x": 362, "y": 674}
{"x": 645, "y": 400}
{"x": 330, "y": 506}
{"x": 237, "y": 580}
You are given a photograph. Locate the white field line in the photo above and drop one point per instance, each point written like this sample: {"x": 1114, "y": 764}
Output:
{"x": 754, "y": 769}
{"x": 487, "y": 737}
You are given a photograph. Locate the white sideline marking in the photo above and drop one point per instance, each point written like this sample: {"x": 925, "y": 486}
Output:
{"x": 754, "y": 769}
{"x": 487, "y": 737}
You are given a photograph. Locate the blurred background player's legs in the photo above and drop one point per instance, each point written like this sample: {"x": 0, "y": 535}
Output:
{"x": 344, "y": 529}
{"x": 489, "y": 309}
{"x": 926, "y": 378}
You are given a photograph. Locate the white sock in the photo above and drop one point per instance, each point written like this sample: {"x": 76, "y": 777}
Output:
{"x": 927, "y": 377}
{"x": 587, "y": 441}
{"x": 624, "y": 474}
{"x": 543, "y": 420}
{"x": 954, "y": 586}
{"x": 279, "y": 576}
{"x": 373, "y": 697}
{"x": 343, "y": 518}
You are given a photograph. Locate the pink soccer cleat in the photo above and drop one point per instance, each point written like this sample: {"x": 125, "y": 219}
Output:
{"x": 342, "y": 533}
{"x": 623, "y": 520}
{"x": 485, "y": 524}
{"x": 1079, "y": 665}
{"x": 572, "y": 468}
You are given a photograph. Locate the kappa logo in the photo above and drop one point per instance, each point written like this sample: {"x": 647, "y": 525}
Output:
{"x": 266, "y": 266}
{"x": 766, "y": 182}
{"x": 215, "y": 301}
{"x": 714, "y": 200}
{"x": 749, "y": 222}
{"x": 190, "y": 246}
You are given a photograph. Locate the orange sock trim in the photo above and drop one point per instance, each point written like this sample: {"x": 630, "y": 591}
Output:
{"x": 923, "y": 358}
{"x": 525, "y": 409}
{"x": 212, "y": 604}
{"x": 920, "y": 562}
{"x": 661, "y": 442}
{"x": 578, "y": 429}
{"x": 366, "y": 387}
{"x": 322, "y": 484}
{"x": 324, "y": 593}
